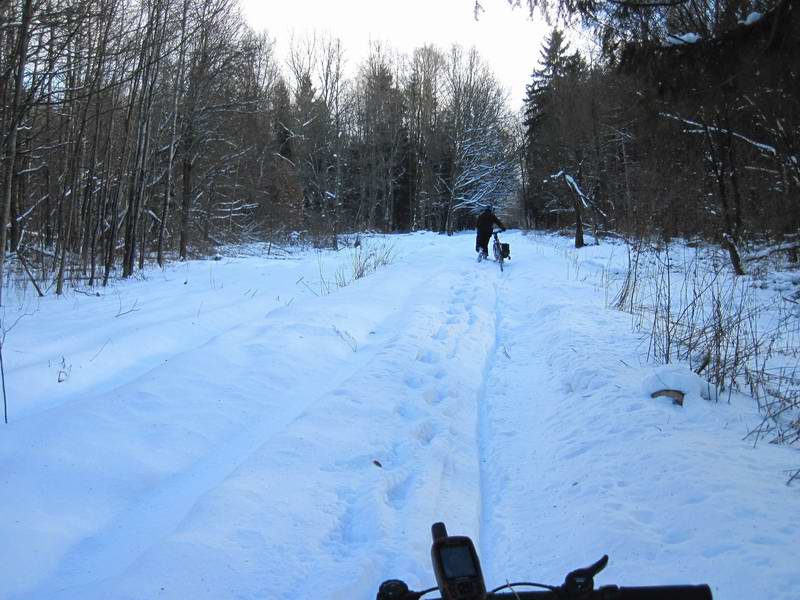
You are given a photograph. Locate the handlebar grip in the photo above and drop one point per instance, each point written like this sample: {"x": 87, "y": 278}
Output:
{"x": 666, "y": 592}
{"x": 612, "y": 592}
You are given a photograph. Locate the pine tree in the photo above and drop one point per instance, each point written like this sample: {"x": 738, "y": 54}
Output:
{"x": 284, "y": 189}
{"x": 556, "y": 64}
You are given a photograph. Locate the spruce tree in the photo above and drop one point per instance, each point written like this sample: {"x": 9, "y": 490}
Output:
{"x": 555, "y": 62}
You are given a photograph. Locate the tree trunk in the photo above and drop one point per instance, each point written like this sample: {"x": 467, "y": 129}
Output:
{"x": 578, "y": 223}
{"x": 11, "y": 155}
{"x": 186, "y": 204}
{"x": 729, "y": 236}
{"x": 173, "y": 138}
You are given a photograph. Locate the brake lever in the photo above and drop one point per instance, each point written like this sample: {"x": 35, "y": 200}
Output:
{"x": 581, "y": 581}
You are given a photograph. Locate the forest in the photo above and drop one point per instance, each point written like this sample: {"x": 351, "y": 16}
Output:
{"x": 687, "y": 127}
{"x": 140, "y": 131}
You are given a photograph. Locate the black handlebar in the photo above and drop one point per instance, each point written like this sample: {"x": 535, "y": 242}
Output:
{"x": 612, "y": 592}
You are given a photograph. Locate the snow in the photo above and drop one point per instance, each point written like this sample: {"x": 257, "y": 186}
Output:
{"x": 702, "y": 128}
{"x": 684, "y": 38}
{"x": 226, "y": 429}
{"x": 574, "y": 185}
{"x": 681, "y": 378}
{"x": 753, "y": 17}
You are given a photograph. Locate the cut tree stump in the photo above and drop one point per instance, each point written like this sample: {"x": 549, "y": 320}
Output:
{"x": 676, "y": 395}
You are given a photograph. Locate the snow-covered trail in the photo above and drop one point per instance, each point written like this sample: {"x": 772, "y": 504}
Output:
{"x": 238, "y": 436}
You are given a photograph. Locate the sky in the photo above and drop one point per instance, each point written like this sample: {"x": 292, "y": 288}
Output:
{"x": 506, "y": 38}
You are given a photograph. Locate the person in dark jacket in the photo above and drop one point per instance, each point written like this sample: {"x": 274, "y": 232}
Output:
{"x": 486, "y": 222}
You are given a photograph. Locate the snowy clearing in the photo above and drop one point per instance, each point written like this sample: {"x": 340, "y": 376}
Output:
{"x": 221, "y": 429}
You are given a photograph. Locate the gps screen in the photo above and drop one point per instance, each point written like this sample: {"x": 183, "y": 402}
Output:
{"x": 457, "y": 562}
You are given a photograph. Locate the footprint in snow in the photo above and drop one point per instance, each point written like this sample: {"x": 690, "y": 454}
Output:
{"x": 414, "y": 382}
{"x": 398, "y": 491}
{"x": 434, "y": 396}
{"x": 426, "y": 432}
{"x": 409, "y": 411}
{"x": 428, "y": 356}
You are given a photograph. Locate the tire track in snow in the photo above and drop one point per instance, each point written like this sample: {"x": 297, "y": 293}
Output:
{"x": 484, "y": 525}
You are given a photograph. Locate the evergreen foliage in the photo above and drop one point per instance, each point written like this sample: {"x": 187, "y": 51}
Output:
{"x": 672, "y": 134}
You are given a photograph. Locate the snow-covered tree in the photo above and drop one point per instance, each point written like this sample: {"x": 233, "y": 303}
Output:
{"x": 482, "y": 168}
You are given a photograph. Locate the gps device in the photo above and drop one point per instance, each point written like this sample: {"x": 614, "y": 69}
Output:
{"x": 456, "y": 566}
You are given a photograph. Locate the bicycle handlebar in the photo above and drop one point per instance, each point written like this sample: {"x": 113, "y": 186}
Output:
{"x": 459, "y": 575}
{"x": 612, "y": 592}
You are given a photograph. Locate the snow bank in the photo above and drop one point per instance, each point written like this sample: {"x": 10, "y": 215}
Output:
{"x": 684, "y": 38}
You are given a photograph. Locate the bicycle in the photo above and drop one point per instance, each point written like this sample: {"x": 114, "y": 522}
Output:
{"x": 459, "y": 577}
{"x": 500, "y": 251}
